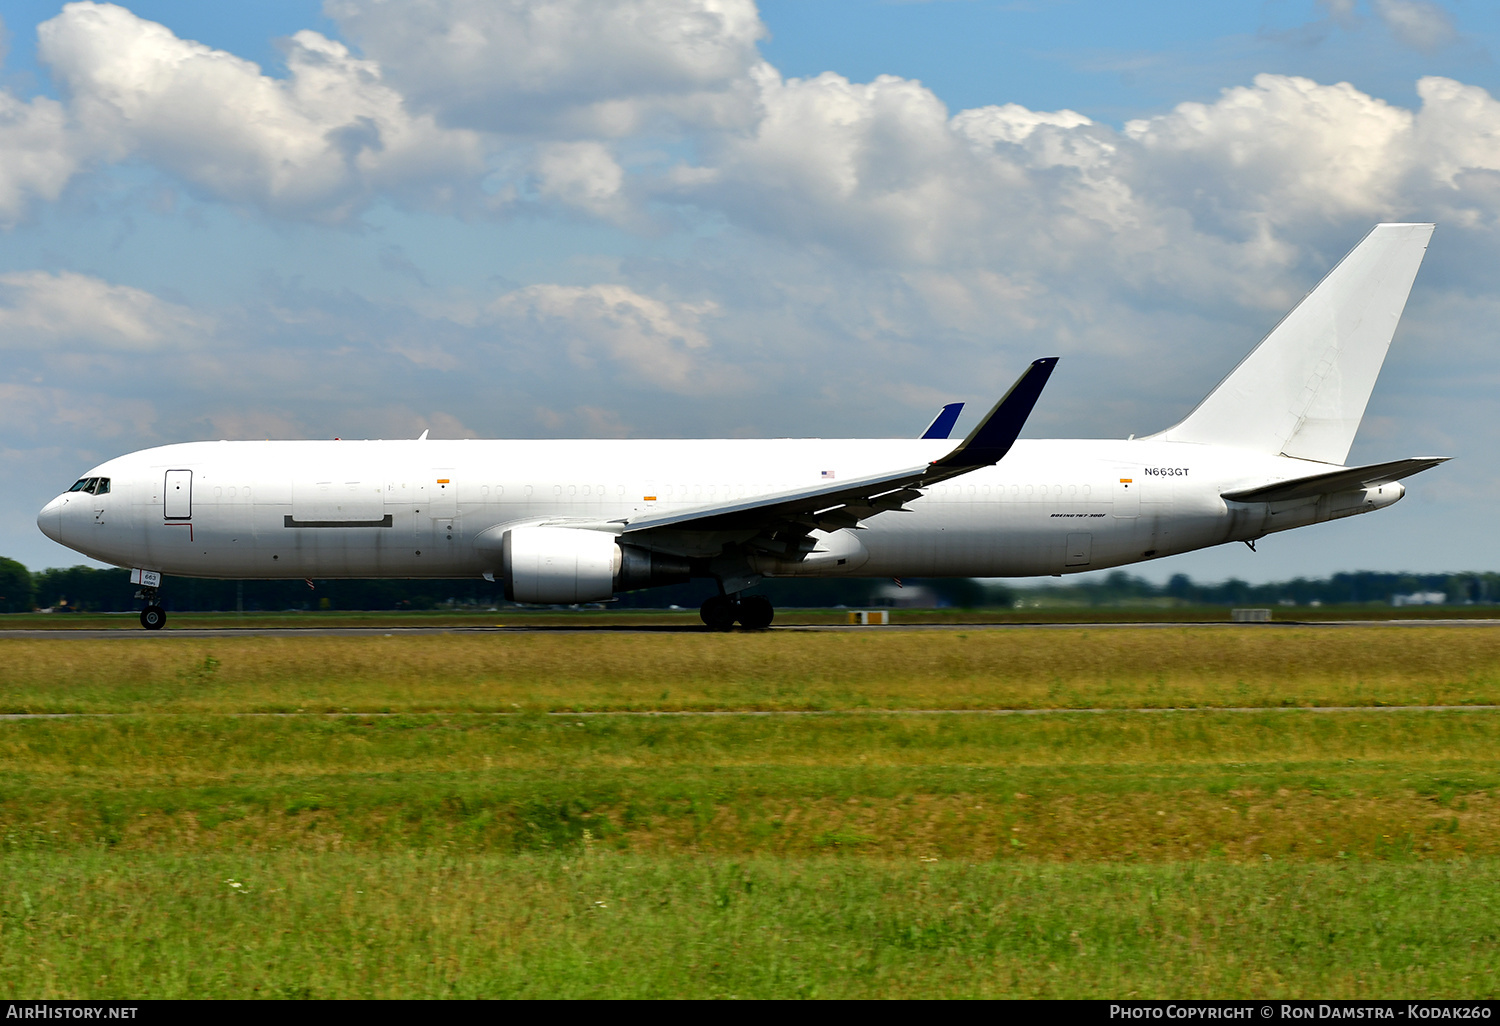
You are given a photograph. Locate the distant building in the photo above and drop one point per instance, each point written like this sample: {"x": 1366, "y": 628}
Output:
{"x": 1420, "y": 598}
{"x": 909, "y": 597}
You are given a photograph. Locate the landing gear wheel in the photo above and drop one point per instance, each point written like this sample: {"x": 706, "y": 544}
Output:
{"x": 718, "y": 612}
{"x": 756, "y": 612}
{"x": 153, "y": 618}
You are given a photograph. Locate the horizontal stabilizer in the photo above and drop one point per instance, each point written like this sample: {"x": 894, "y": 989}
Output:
{"x": 1342, "y": 480}
{"x": 942, "y": 424}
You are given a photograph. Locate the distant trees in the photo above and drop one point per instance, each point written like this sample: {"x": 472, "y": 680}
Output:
{"x": 84, "y": 588}
{"x": 16, "y": 587}
{"x": 87, "y": 589}
{"x": 1358, "y": 588}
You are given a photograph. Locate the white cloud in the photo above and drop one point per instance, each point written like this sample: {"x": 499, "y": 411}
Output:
{"x": 564, "y": 67}
{"x": 1419, "y": 24}
{"x": 1217, "y": 199}
{"x": 318, "y": 144}
{"x": 582, "y": 175}
{"x": 38, "y": 153}
{"x": 640, "y": 338}
{"x": 1283, "y": 149}
{"x": 39, "y": 310}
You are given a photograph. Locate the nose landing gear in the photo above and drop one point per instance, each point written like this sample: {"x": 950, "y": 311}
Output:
{"x": 720, "y": 612}
{"x": 153, "y": 617}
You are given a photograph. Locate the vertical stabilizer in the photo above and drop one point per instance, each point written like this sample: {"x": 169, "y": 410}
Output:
{"x": 1302, "y": 391}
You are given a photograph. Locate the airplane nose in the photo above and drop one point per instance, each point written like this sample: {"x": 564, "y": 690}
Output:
{"x": 50, "y": 519}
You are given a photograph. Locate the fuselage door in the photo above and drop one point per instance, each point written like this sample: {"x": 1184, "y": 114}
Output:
{"x": 177, "y": 501}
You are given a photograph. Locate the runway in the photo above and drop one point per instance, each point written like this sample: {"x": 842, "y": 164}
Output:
{"x": 65, "y": 634}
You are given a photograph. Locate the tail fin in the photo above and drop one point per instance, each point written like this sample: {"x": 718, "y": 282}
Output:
{"x": 1302, "y": 391}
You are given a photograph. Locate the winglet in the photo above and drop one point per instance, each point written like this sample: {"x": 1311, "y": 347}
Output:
{"x": 988, "y": 443}
{"x": 942, "y": 424}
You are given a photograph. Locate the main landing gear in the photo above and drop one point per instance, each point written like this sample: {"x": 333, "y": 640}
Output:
{"x": 153, "y": 617}
{"x": 720, "y": 612}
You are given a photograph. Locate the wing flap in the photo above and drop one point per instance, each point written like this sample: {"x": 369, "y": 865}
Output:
{"x": 1340, "y": 480}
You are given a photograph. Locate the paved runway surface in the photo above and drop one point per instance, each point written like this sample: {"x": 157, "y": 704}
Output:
{"x": 376, "y": 632}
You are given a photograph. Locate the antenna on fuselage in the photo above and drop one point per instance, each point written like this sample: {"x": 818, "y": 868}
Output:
{"x": 423, "y": 436}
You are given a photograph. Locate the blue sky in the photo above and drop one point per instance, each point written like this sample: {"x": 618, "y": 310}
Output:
{"x": 710, "y": 217}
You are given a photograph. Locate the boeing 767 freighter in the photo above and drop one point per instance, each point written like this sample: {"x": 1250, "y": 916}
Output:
{"x": 580, "y": 521}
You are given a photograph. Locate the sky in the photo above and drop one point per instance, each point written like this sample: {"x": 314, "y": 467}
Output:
{"x": 712, "y": 218}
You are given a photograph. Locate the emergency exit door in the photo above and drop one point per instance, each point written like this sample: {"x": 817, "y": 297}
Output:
{"x": 177, "y": 499}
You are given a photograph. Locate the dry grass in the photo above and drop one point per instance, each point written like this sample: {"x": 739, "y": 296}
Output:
{"x": 1013, "y": 668}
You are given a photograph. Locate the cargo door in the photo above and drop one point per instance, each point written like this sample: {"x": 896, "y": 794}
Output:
{"x": 1080, "y": 549}
{"x": 177, "y": 501}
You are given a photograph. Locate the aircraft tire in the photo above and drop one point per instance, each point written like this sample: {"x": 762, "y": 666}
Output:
{"x": 718, "y": 612}
{"x": 153, "y": 618}
{"x": 756, "y": 612}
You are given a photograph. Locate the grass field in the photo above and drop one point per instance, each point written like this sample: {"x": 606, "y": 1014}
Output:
{"x": 486, "y": 814}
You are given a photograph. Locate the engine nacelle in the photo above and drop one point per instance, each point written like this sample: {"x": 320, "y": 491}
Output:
{"x": 567, "y": 565}
{"x": 559, "y": 564}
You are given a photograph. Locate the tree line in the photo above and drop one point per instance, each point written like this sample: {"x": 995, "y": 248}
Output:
{"x": 87, "y": 589}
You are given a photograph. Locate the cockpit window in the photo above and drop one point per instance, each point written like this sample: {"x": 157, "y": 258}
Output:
{"x": 102, "y": 488}
{"x": 92, "y": 485}
{"x": 83, "y": 483}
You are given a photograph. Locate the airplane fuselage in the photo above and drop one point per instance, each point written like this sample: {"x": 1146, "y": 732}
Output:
{"x": 351, "y": 509}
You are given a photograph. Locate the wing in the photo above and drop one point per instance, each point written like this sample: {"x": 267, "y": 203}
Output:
{"x": 942, "y": 424}
{"x": 833, "y": 506}
{"x": 1341, "y": 480}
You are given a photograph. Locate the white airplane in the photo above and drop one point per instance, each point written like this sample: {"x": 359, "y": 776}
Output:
{"x": 579, "y": 521}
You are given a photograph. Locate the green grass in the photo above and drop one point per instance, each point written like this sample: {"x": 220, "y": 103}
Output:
{"x": 1059, "y": 787}
{"x": 98, "y": 924}
{"x": 490, "y": 837}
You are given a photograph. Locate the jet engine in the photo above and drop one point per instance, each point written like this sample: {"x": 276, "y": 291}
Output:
{"x": 567, "y": 564}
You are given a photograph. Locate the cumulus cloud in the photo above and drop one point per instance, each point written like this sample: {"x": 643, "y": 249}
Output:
{"x": 642, "y": 339}
{"x": 564, "y": 67}
{"x": 39, "y": 310}
{"x": 1255, "y": 181}
{"x": 320, "y": 143}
